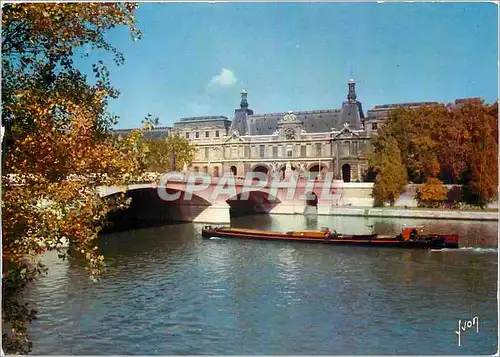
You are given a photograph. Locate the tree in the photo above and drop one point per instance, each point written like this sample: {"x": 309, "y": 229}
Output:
{"x": 415, "y": 130}
{"x": 480, "y": 124}
{"x": 456, "y": 142}
{"x": 432, "y": 193}
{"x": 56, "y": 150}
{"x": 160, "y": 151}
{"x": 391, "y": 176}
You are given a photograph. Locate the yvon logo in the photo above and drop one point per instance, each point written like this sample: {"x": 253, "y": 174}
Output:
{"x": 466, "y": 325}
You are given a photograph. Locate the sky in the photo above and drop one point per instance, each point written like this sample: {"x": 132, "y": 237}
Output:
{"x": 195, "y": 58}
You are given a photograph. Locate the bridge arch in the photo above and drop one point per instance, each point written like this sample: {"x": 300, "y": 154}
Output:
{"x": 148, "y": 209}
{"x": 257, "y": 202}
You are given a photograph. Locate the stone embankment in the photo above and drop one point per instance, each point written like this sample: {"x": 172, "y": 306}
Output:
{"x": 414, "y": 213}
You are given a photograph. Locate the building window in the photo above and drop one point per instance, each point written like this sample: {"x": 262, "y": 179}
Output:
{"x": 261, "y": 150}
{"x": 275, "y": 152}
{"x": 217, "y": 134}
{"x": 303, "y": 151}
{"x": 346, "y": 148}
{"x": 318, "y": 149}
{"x": 187, "y": 135}
{"x": 207, "y": 134}
{"x": 206, "y": 153}
{"x": 374, "y": 126}
{"x": 197, "y": 135}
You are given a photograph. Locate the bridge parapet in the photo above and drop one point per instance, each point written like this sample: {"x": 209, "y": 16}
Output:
{"x": 220, "y": 195}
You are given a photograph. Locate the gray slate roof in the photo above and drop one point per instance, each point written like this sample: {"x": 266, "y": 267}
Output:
{"x": 315, "y": 121}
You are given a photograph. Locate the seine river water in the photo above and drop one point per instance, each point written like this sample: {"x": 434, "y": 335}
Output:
{"x": 168, "y": 291}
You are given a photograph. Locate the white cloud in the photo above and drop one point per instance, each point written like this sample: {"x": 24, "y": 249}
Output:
{"x": 226, "y": 77}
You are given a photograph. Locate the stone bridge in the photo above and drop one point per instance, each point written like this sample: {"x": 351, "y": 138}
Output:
{"x": 194, "y": 199}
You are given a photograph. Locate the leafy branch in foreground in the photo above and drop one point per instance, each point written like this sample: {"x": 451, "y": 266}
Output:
{"x": 56, "y": 150}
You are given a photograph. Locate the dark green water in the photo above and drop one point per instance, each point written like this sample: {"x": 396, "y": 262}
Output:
{"x": 168, "y": 291}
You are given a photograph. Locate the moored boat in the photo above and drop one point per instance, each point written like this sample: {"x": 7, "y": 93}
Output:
{"x": 408, "y": 238}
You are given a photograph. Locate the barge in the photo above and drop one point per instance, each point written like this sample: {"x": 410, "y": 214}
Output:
{"x": 408, "y": 238}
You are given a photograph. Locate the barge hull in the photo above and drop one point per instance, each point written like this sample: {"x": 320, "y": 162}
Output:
{"x": 435, "y": 243}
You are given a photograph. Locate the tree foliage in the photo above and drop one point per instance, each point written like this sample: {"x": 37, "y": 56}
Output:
{"x": 159, "y": 153}
{"x": 457, "y": 143}
{"x": 474, "y": 155}
{"x": 432, "y": 193}
{"x": 56, "y": 150}
{"x": 391, "y": 177}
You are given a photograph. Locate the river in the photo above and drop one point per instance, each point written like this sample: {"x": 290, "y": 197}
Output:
{"x": 168, "y": 291}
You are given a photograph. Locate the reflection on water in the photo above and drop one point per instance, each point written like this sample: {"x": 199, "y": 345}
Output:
{"x": 168, "y": 291}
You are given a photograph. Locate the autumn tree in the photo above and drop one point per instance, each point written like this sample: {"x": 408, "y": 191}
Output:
{"x": 56, "y": 150}
{"x": 432, "y": 193}
{"x": 160, "y": 151}
{"x": 391, "y": 177}
{"x": 457, "y": 143}
{"x": 469, "y": 148}
{"x": 415, "y": 130}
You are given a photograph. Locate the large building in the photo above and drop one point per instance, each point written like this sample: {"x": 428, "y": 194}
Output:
{"x": 311, "y": 142}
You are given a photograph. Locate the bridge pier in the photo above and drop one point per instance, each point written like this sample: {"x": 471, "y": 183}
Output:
{"x": 218, "y": 213}
{"x": 289, "y": 208}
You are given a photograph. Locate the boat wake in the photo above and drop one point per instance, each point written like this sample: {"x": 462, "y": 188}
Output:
{"x": 468, "y": 249}
{"x": 216, "y": 238}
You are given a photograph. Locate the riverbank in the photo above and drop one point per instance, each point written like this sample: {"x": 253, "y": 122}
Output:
{"x": 487, "y": 215}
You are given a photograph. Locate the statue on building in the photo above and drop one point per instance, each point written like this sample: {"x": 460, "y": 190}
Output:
{"x": 322, "y": 173}
{"x": 290, "y": 117}
{"x": 288, "y": 171}
{"x": 275, "y": 172}
{"x": 217, "y": 153}
{"x": 302, "y": 170}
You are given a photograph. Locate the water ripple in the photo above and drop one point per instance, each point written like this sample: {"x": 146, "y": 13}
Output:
{"x": 175, "y": 293}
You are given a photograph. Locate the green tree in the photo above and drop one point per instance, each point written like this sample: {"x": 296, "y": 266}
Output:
{"x": 391, "y": 176}
{"x": 159, "y": 153}
{"x": 56, "y": 150}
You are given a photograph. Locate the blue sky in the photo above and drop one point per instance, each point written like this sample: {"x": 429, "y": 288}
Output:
{"x": 194, "y": 58}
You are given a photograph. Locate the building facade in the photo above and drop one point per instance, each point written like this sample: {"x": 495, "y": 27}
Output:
{"x": 311, "y": 142}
